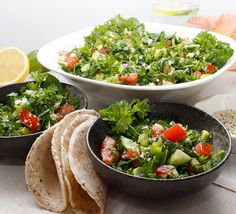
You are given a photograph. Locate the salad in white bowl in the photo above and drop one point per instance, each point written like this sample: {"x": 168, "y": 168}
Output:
{"x": 124, "y": 58}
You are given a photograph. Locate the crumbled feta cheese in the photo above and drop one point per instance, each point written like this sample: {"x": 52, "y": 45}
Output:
{"x": 19, "y": 102}
{"x": 85, "y": 67}
{"x": 190, "y": 55}
{"x": 29, "y": 92}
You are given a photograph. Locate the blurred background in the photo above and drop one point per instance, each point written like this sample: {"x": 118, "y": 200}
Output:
{"x": 30, "y": 24}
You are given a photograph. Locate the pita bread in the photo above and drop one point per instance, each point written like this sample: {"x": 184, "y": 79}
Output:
{"x": 56, "y": 151}
{"x": 41, "y": 175}
{"x": 92, "y": 191}
{"x": 72, "y": 185}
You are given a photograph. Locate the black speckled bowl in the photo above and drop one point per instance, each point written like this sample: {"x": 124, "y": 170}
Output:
{"x": 18, "y": 146}
{"x": 157, "y": 188}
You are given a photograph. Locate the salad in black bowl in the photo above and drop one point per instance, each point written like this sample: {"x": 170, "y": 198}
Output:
{"x": 157, "y": 149}
{"x": 27, "y": 109}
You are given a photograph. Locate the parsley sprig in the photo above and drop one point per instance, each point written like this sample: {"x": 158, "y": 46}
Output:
{"x": 123, "y": 115}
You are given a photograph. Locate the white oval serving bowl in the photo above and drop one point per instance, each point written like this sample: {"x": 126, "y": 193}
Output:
{"x": 108, "y": 92}
{"x": 218, "y": 103}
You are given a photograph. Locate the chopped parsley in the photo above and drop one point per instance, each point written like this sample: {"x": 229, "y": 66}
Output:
{"x": 42, "y": 98}
{"x": 121, "y": 51}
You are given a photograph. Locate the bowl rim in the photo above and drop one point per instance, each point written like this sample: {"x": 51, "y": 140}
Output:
{"x": 85, "y": 98}
{"x": 189, "y": 84}
{"x": 226, "y": 157}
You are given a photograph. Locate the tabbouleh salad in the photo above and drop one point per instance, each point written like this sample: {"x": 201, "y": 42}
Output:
{"x": 38, "y": 105}
{"x": 154, "y": 148}
{"x": 121, "y": 51}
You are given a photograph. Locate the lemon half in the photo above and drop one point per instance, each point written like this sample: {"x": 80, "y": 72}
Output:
{"x": 14, "y": 65}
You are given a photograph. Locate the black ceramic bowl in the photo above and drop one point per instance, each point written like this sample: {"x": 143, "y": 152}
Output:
{"x": 18, "y": 146}
{"x": 157, "y": 188}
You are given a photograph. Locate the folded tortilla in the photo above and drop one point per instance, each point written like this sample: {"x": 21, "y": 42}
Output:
{"x": 58, "y": 170}
{"x": 56, "y": 150}
{"x": 92, "y": 189}
{"x": 41, "y": 175}
{"x": 77, "y": 201}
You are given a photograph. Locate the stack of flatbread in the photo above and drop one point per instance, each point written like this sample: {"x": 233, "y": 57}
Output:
{"x": 58, "y": 171}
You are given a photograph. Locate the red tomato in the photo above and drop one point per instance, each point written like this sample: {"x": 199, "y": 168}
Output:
{"x": 131, "y": 79}
{"x": 29, "y": 120}
{"x": 169, "y": 42}
{"x": 203, "y": 149}
{"x": 108, "y": 142}
{"x": 108, "y": 152}
{"x": 104, "y": 51}
{"x": 175, "y": 133}
{"x": 110, "y": 156}
{"x": 210, "y": 67}
{"x": 164, "y": 169}
{"x": 197, "y": 73}
{"x": 71, "y": 61}
{"x": 64, "y": 110}
{"x": 130, "y": 154}
{"x": 157, "y": 130}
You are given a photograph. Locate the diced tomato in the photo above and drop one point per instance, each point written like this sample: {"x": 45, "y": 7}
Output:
{"x": 131, "y": 79}
{"x": 71, "y": 61}
{"x": 64, "y": 110}
{"x": 164, "y": 169}
{"x": 169, "y": 42}
{"x": 108, "y": 142}
{"x": 197, "y": 73}
{"x": 109, "y": 153}
{"x": 175, "y": 133}
{"x": 202, "y": 148}
{"x": 157, "y": 130}
{"x": 104, "y": 51}
{"x": 210, "y": 67}
{"x": 130, "y": 154}
{"x": 29, "y": 120}
{"x": 110, "y": 156}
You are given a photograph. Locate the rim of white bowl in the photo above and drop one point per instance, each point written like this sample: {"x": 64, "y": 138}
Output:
{"x": 145, "y": 87}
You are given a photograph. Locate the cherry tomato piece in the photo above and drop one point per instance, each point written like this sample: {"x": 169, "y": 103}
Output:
{"x": 210, "y": 67}
{"x": 175, "y": 133}
{"x": 65, "y": 109}
{"x": 130, "y": 154}
{"x": 29, "y": 120}
{"x": 157, "y": 130}
{"x": 131, "y": 79}
{"x": 202, "y": 148}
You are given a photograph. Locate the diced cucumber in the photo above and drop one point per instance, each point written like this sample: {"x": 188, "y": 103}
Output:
{"x": 179, "y": 158}
{"x": 143, "y": 139}
{"x": 204, "y": 135}
{"x": 129, "y": 144}
{"x": 136, "y": 170}
{"x": 174, "y": 173}
{"x": 155, "y": 148}
{"x": 194, "y": 162}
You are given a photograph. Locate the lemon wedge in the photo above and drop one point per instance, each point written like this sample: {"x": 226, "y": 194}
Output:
{"x": 14, "y": 65}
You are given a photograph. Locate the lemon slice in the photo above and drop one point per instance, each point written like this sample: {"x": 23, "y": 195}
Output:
{"x": 180, "y": 10}
{"x": 14, "y": 65}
